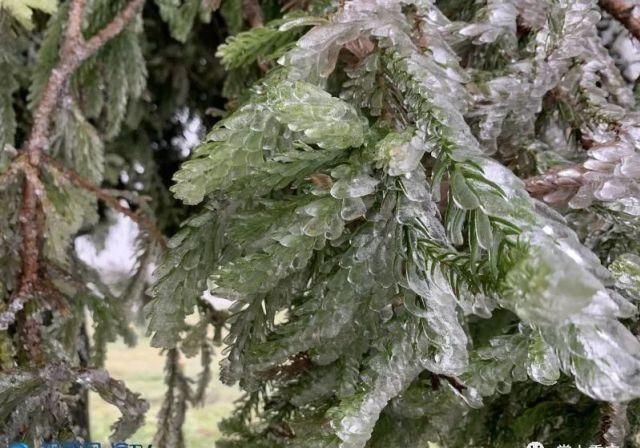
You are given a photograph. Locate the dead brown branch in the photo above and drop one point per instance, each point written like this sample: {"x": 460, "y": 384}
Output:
{"x": 294, "y": 366}
{"x": 623, "y": 13}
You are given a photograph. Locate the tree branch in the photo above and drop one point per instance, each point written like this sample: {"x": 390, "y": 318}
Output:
{"x": 623, "y": 13}
{"x": 114, "y": 28}
{"x": 613, "y": 424}
{"x": 74, "y": 25}
{"x": 29, "y": 229}
{"x": 74, "y": 50}
{"x": 108, "y": 198}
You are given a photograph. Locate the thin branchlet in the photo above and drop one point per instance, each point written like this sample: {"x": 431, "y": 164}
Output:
{"x": 622, "y": 11}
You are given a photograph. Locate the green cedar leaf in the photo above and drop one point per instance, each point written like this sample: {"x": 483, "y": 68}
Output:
{"x": 262, "y": 43}
{"x": 67, "y": 208}
{"x": 462, "y": 193}
{"x": 180, "y": 15}
{"x": 483, "y": 229}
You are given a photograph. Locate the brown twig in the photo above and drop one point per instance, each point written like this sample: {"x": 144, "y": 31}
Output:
{"x": 253, "y": 13}
{"x": 623, "y": 13}
{"x": 28, "y": 219}
{"x": 613, "y": 424}
{"x": 605, "y": 424}
{"x": 556, "y": 185}
{"x": 114, "y": 27}
{"x": 296, "y": 365}
{"x": 108, "y": 198}
{"x": 453, "y": 382}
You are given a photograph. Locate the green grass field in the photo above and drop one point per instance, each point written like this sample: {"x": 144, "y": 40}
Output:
{"x": 142, "y": 369}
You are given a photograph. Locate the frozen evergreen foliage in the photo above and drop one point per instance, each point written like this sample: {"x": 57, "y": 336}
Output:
{"x": 395, "y": 281}
{"x": 425, "y": 213}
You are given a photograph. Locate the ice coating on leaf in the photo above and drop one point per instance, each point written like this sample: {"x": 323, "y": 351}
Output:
{"x": 512, "y": 358}
{"x": 321, "y": 320}
{"x": 626, "y": 270}
{"x": 350, "y": 184}
{"x": 400, "y": 153}
{"x": 352, "y": 208}
{"x": 325, "y": 219}
{"x": 362, "y": 89}
{"x": 543, "y": 364}
{"x": 374, "y": 254}
{"x": 495, "y": 100}
{"x": 253, "y": 273}
{"x": 230, "y": 153}
{"x": 415, "y": 187}
{"x": 496, "y": 367}
{"x": 611, "y": 174}
{"x": 602, "y": 355}
{"x": 285, "y": 249}
{"x": 316, "y": 53}
{"x": 243, "y": 145}
{"x": 548, "y": 286}
{"x": 324, "y": 120}
{"x": 389, "y": 372}
{"x": 439, "y": 310}
{"x": 499, "y": 21}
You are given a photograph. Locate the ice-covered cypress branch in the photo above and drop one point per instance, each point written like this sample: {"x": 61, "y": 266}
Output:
{"x": 37, "y": 389}
{"x": 377, "y": 227}
{"x": 610, "y": 174}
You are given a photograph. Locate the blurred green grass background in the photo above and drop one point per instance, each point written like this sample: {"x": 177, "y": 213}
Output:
{"x": 142, "y": 369}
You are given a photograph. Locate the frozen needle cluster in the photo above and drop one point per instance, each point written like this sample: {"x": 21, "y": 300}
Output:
{"x": 376, "y": 208}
